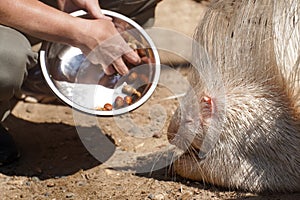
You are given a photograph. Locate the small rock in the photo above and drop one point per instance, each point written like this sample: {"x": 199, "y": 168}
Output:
{"x": 180, "y": 189}
{"x": 50, "y": 184}
{"x": 29, "y": 99}
{"x": 156, "y": 197}
{"x": 139, "y": 146}
{"x": 34, "y": 178}
{"x": 81, "y": 183}
{"x": 70, "y": 195}
{"x": 110, "y": 172}
{"x": 157, "y": 135}
{"x": 159, "y": 197}
{"x": 47, "y": 194}
{"x": 151, "y": 196}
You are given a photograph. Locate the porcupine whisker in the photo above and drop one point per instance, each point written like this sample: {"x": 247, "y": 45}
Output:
{"x": 254, "y": 49}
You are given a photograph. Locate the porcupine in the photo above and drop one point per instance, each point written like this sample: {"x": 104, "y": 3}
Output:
{"x": 247, "y": 98}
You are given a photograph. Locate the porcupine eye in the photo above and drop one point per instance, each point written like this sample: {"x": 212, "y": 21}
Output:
{"x": 207, "y": 109}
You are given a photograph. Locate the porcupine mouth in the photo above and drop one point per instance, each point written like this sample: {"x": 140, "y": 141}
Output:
{"x": 193, "y": 152}
{"x": 189, "y": 153}
{"x": 186, "y": 151}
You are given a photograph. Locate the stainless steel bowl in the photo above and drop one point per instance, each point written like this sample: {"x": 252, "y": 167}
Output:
{"x": 85, "y": 87}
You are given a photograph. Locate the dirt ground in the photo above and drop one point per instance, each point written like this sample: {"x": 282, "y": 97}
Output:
{"x": 69, "y": 155}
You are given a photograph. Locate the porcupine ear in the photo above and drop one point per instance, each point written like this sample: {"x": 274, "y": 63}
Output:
{"x": 211, "y": 120}
{"x": 207, "y": 110}
{"x": 208, "y": 80}
{"x": 211, "y": 102}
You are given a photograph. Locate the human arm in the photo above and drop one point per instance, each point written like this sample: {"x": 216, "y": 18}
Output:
{"x": 47, "y": 23}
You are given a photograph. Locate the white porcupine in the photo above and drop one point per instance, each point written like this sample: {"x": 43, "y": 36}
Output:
{"x": 247, "y": 98}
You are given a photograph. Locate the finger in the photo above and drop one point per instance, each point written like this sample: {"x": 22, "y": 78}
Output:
{"x": 101, "y": 16}
{"x": 95, "y": 11}
{"x": 109, "y": 70}
{"x": 132, "y": 57}
{"x": 120, "y": 66}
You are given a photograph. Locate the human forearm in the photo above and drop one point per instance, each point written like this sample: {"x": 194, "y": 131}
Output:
{"x": 39, "y": 20}
{"x": 44, "y": 22}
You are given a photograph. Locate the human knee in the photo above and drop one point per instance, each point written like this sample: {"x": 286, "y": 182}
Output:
{"x": 14, "y": 53}
{"x": 13, "y": 65}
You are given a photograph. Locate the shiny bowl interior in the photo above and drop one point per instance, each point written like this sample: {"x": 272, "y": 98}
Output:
{"x": 84, "y": 86}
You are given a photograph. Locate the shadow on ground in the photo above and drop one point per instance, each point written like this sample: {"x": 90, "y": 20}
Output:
{"x": 48, "y": 150}
{"x": 54, "y": 150}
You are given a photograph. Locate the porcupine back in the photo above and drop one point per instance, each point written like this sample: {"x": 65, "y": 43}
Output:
{"x": 251, "y": 42}
{"x": 287, "y": 44}
{"x": 253, "y": 65}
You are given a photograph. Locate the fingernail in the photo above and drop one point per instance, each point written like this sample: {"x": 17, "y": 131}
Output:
{"x": 125, "y": 71}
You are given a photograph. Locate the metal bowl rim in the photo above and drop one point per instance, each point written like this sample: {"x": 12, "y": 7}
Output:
{"x": 112, "y": 112}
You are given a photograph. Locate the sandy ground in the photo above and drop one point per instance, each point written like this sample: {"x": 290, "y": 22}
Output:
{"x": 59, "y": 146}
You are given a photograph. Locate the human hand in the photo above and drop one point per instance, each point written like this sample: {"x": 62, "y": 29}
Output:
{"x": 91, "y": 6}
{"x": 102, "y": 45}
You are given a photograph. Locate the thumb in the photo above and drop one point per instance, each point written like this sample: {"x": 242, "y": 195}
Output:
{"x": 95, "y": 11}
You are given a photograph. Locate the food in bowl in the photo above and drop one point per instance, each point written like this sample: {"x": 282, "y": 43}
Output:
{"x": 85, "y": 87}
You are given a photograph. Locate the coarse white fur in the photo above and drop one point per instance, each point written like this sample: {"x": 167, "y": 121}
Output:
{"x": 247, "y": 61}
